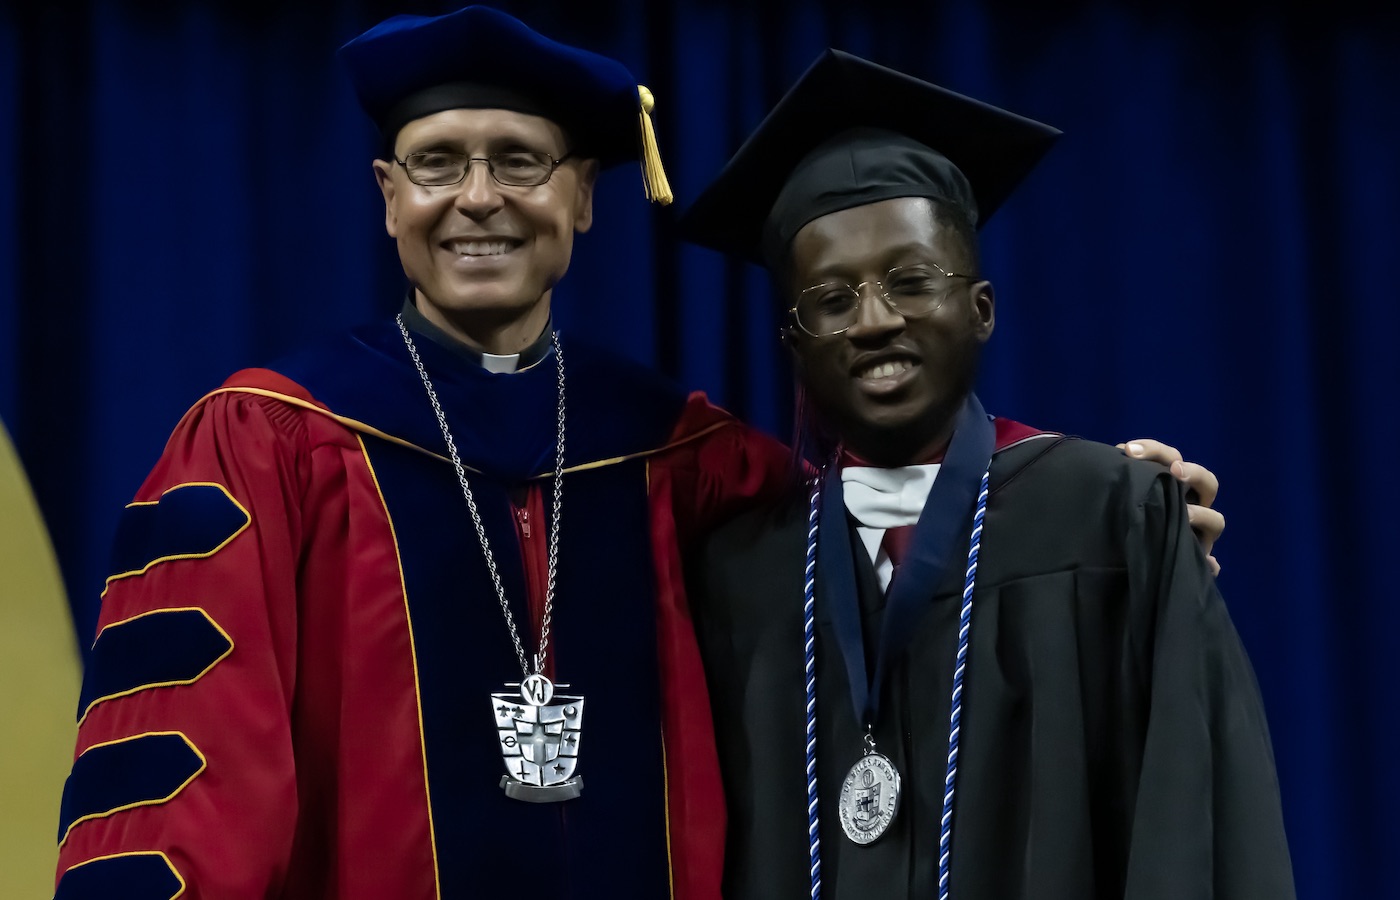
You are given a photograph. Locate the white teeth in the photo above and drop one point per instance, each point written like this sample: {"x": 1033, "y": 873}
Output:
{"x": 885, "y": 370}
{"x": 481, "y": 248}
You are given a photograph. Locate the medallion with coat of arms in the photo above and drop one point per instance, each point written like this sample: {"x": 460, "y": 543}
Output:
{"x": 540, "y": 733}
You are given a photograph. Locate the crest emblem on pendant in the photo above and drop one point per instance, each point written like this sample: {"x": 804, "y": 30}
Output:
{"x": 540, "y": 733}
{"x": 869, "y": 798}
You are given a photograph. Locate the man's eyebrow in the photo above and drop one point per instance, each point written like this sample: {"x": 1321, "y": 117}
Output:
{"x": 501, "y": 144}
{"x": 510, "y": 143}
{"x": 434, "y": 144}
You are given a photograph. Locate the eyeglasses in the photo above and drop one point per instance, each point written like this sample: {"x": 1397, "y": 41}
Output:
{"x": 912, "y": 291}
{"x": 516, "y": 168}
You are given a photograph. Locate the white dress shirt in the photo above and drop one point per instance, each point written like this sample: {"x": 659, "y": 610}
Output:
{"x": 885, "y": 498}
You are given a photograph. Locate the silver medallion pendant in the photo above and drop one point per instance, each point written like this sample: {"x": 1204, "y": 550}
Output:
{"x": 540, "y": 732}
{"x": 869, "y": 798}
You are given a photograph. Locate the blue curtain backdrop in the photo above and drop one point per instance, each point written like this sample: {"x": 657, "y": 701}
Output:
{"x": 1207, "y": 257}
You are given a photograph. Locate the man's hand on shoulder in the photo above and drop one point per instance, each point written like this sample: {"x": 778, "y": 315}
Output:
{"x": 1201, "y": 489}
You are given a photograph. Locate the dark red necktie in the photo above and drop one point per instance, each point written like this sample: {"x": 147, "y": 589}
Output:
{"x": 896, "y": 543}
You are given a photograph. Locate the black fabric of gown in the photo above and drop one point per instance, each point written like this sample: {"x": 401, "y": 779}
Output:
{"x": 1113, "y": 741}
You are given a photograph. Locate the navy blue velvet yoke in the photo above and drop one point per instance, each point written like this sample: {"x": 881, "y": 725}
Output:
{"x": 611, "y": 840}
{"x": 603, "y": 644}
{"x": 503, "y": 424}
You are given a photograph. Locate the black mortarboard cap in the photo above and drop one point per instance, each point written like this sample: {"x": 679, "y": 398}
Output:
{"x": 408, "y": 67}
{"x": 851, "y": 132}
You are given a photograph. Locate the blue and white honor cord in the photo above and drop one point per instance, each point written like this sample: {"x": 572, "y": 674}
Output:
{"x": 809, "y": 605}
{"x": 945, "y": 834}
{"x": 945, "y": 838}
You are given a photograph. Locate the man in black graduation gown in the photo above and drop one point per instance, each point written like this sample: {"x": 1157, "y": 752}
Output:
{"x": 1042, "y": 695}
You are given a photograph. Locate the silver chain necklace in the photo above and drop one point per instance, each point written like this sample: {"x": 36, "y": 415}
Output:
{"x": 539, "y": 739}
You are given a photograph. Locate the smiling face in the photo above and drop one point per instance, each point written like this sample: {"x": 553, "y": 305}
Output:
{"x": 889, "y": 387}
{"x": 484, "y": 257}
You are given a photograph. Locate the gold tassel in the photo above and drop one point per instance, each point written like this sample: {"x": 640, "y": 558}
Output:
{"x": 653, "y": 175}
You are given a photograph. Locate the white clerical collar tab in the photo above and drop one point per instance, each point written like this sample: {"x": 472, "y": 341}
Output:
{"x": 502, "y": 363}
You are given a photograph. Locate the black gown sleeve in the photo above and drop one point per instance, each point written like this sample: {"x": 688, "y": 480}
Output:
{"x": 1207, "y": 821}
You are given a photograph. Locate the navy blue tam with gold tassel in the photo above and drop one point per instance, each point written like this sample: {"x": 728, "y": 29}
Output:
{"x": 408, "y": 67}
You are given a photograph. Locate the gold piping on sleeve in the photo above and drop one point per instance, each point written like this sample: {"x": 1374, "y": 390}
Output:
{"x": 352, "y": 424}
{"x": 168, "y": 864}
{"x": 155, "y": 801}
{"x": 247, "y": 518}
{"x": 160, "y": 684}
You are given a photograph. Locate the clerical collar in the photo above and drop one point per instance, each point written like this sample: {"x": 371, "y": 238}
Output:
{"x": 491, "y": 362}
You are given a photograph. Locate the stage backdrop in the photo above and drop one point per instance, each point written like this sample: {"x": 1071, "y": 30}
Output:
{"x": 1207, "y": 257}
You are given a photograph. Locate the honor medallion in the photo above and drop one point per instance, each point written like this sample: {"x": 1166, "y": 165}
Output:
{"x": 869, "y": 798}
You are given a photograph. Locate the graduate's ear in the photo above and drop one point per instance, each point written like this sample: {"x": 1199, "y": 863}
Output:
{"x": 792, "y": 337}
{"x": 984, "y": 310}
{"x": 789, "y": 332}
{"x": 383, "y": 174}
